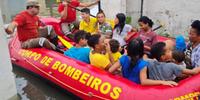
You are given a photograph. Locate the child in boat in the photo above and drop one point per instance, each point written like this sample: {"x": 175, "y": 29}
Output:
{"x": 181, "y": 47}
{"x": 158, "y": 69}
{"x": 79, "y": 51}
{"x": 115, "y": 49}
{"x": 146, "y": 33}
{"x": 98, "y": 56}
{"x": 179, "y": 58}
{"x": 134, "y": 67}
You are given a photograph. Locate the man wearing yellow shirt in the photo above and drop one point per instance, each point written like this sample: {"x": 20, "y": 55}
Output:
{"x": 98, "y": 56}
{"x": 88, "y": 24}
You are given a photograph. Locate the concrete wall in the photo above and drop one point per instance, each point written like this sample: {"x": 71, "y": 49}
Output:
{"x": 176, "y": 14}
{"x": 112, "y": 7}
{"x": 7, "y": 82}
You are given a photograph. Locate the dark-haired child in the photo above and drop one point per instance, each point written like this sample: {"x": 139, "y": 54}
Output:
{"x": 179, "y": 58}
{"x": 79, "y": 51}
{"x": 115, "y": 49}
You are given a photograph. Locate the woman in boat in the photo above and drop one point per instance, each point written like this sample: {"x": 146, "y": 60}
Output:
{"x": 121, "y": 29}
{"x": 134, "y": 67}
{"x": 146, "y": 33}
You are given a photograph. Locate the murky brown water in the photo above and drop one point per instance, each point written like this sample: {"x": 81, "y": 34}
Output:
{"x": 31, "y": 87}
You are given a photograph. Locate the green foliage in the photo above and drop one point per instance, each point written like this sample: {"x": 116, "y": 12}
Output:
{"x": 49, "y": 3}
{"x": 128, "y": 20}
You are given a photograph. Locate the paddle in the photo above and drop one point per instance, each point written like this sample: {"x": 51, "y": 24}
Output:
{"x": 99, "y": 6}
{"x": 76, "y": 8}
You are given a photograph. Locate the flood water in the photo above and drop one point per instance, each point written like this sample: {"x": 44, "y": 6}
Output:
{"x": 31, "y": 87}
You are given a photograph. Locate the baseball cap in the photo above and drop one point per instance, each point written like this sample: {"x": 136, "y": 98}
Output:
{"x": 32, "y": 3}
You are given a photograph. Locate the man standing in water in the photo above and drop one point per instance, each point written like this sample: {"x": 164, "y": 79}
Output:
{"x": 68, "y": 12}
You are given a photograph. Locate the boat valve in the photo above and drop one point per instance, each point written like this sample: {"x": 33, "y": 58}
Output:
{"x": 50, "y": 73}
{"x": 15, "y": 60}
{"x": 90, "y": 94}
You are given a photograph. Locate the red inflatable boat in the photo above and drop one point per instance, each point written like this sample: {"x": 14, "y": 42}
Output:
{"x": 89, "y": 82}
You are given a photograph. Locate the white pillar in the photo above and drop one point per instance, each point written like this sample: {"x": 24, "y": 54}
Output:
{"x": 6, "y": 12}
{"x": 133, "y": 10}
{"x": 7, "y": 83}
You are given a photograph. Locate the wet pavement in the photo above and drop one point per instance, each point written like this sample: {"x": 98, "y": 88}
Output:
{"x": 31, "y": 87}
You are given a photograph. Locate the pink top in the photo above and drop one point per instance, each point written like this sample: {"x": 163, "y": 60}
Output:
{"x": 149, "y": 38}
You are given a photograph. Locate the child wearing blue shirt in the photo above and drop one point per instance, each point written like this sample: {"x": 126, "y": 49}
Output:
{"x": 134, "y": 72}
{"x": 80, "y": 51}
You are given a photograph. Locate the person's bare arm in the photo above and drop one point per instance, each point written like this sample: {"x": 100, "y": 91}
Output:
{"x": 108, "y": 66}
{"x": 88, "y": 4}
{"x": 145, "y": 81}
{"x": 111, "y": 57}
{"x": 191, "y": 72}
{"x": 64, "y": 13}
{"x": 108, "y": 50}
{"x": 11, "y": 27}
{"x": 114, "y": 67}
{"x": 147, "y": 48}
